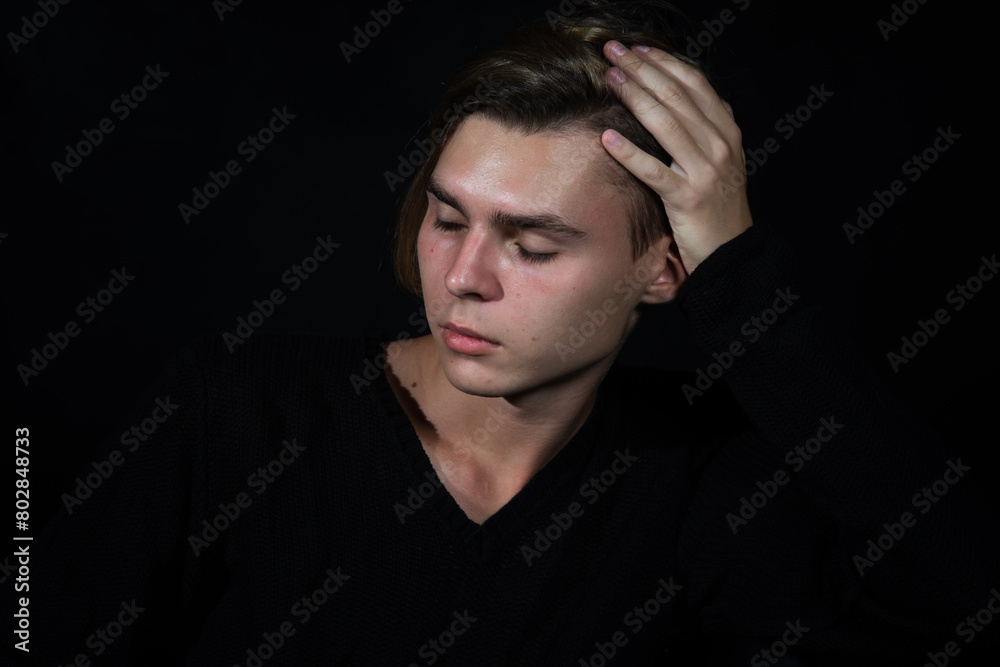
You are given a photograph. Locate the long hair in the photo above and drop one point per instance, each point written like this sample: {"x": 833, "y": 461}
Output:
{"x": 549, "y": 77}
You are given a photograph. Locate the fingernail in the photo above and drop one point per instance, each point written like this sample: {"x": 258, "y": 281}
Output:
{"x": 614, "y": 139}
{"x": 641, "y": 49}
{"x": 617, "y": 75}
{"x": 616, "y": 48}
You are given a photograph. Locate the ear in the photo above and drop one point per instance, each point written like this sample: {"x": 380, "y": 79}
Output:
{"x": 664, "y": 258}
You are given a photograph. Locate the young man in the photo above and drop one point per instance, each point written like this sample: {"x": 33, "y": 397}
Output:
{"x": 526, "y": 232}
{"x": 503, "y": 494}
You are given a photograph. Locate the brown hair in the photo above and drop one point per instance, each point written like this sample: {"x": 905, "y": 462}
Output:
{"x": 549, "y": 77}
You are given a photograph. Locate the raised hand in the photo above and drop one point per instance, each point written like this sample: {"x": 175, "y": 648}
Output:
{"x": 704, "y": 189}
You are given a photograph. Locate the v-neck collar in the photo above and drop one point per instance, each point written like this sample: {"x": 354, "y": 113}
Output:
{"x": 557, "y": 479}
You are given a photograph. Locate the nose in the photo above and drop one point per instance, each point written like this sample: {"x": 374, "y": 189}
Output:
{"x": 473, "y": 269}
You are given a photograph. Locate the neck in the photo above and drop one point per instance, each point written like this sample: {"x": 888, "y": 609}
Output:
{"x": 490, "y": 446}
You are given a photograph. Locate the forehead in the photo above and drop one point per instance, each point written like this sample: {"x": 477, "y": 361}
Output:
{"x": 490, "y": 167}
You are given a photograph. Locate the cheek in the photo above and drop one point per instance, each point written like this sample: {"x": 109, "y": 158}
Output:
{"x": 423, "y": 237}
{"x": 554, "y": 311}
{"x": 429, "y": 253}
{"x": 611, "y": 298}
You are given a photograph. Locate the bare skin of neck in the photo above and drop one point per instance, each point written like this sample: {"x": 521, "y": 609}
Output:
{"x": 485, "y": 449}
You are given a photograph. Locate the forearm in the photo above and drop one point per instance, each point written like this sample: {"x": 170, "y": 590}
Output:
{"x": 915, "y": 536}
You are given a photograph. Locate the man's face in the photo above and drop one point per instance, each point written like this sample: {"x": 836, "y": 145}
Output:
{"x": 525, "y": 244}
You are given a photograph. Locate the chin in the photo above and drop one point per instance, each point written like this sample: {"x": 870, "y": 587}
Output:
{"x": 483, "y": 392}
{"x": 471, "y": 375}
{"x": 490, "y": 378}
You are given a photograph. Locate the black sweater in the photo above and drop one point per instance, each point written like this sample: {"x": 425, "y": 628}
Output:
{"x": 691, "y": 516}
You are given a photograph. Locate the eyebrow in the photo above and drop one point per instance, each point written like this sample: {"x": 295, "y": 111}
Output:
{"x": 546, "y": 222}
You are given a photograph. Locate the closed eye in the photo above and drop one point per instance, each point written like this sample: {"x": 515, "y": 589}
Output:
{"x": 535, "y": 257}
{"x": 527, "y": 255}
{"x": 447, "y": 226}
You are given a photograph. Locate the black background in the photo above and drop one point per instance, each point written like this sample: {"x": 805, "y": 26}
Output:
{"x": 324, "y": 175}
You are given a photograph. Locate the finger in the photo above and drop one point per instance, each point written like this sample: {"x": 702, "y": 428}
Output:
{"x": 675, "y": 96}
{"x": 717, "y": 110}
{"x": 662, "y": 179}
{"x": 692, "y": 78}
{"x": 669, "y": 128}
{"x": 667, "y": 90}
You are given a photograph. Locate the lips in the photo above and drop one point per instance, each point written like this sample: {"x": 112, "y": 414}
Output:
{"x": 465, "y": 331}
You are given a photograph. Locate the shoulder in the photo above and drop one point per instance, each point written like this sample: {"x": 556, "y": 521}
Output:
{"x": 270, "y": 367}
{"x": 653, "y": 399}
{"x": 274, "y": 392}
{"x": 275, "y": 354}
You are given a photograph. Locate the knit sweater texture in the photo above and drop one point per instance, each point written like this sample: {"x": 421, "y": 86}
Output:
{"x": 285, "y": 513}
